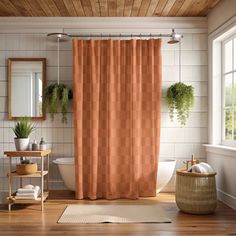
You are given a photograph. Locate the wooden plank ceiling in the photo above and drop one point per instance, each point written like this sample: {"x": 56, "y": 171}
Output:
{"x": 106, "y": 7}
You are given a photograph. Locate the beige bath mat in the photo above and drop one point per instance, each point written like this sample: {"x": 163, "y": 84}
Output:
{"x": 93, "y": 214}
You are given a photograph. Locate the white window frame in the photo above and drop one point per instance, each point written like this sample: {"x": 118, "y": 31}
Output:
{"x": 223, "y": 74}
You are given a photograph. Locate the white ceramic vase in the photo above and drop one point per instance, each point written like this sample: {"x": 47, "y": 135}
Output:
{"x": 21, "y": 144}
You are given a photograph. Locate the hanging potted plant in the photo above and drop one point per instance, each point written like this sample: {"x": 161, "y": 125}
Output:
{"x": 56, "y": 98}
{"x": 180, "y": 99}
{"x": 57, "y": 95}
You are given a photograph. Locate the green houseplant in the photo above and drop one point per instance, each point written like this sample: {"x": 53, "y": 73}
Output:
{"x": 180, "y": 98}
{"x": 22, "y": 129}
{"x": 56, "y": 98}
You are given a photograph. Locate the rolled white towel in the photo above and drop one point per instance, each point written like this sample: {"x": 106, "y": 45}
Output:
{"x": 201, "y": 168}
{"x": 207, "y": 167}
{"x": 197, "y": 169}
{"x": 28, "y": 186}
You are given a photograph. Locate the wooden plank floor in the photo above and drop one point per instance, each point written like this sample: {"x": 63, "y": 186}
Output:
{"x": 29, "y": 221}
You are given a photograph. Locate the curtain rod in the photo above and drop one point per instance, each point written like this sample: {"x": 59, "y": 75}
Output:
{"x": 174, "y": 38}
{"x": 120, "y": 35}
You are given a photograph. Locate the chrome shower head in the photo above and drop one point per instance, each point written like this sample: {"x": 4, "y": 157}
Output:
{"x": 61, "y": 36}
{"x": 175, "y": 38}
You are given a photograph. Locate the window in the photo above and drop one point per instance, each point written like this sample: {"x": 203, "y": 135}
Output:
{"x": 229, "y": 90}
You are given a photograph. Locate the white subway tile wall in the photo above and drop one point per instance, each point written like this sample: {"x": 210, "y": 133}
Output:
{"x": 176, "y": 142}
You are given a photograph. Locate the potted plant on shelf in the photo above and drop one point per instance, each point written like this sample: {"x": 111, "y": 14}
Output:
{"x": 23, "y": 128}
{"x": 180, "y": 99}
{"x": 57, "y": 97}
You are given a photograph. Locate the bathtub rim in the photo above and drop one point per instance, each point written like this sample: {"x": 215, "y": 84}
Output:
{"x": 167, "y": 160}
{"x": 64, "y": 161}
{"x": 70, "y": 160}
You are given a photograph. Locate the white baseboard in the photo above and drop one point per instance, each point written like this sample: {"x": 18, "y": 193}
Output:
{"x": 168, "y": 189}
{"x": 226, "y": 198}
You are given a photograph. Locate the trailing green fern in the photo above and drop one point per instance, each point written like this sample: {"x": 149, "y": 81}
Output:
{"x": 180, "y": 99}
{"x": 64, "y": 103}
{"x": 56, "y": 98}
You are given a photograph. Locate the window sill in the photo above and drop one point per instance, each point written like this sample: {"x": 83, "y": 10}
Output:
{"x": 221, "y": 149}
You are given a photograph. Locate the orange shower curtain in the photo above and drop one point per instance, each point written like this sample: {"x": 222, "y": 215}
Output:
{"x": 117, "y": 93}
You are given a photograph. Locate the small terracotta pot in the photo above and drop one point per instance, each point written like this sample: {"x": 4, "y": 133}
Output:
{"x": 26, "y": 169}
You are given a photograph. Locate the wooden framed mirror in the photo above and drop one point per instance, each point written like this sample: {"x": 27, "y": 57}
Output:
{"x": 26, "y": 84}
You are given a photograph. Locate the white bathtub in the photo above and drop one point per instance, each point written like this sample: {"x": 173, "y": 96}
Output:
{"x": 166, "y": 169}
{"x": 66, "y": 168}
{"x": 67, "y": 171}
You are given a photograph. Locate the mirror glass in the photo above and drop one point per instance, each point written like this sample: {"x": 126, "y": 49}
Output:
{"x": 26, "y": 81}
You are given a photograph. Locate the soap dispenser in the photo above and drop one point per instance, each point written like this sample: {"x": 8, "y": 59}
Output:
{"x": 42, "y": 145}
{"x": 35, "y": 146}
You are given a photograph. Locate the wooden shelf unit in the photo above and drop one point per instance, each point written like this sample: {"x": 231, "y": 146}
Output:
{"x": 39, "y": 174}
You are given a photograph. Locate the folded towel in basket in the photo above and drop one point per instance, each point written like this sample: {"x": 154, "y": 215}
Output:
{"x": 201, "y": 168}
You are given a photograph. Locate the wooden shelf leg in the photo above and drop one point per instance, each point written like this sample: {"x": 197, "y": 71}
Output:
{"x": 48, "y": 172}
{"x": 9, "y": 183}
{"x": 42, "y": 182}
{"x": 9, "y": 206}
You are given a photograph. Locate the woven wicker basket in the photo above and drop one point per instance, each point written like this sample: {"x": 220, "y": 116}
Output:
{"x": 26, "y": 169}
{"x": 195, "y": 192}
